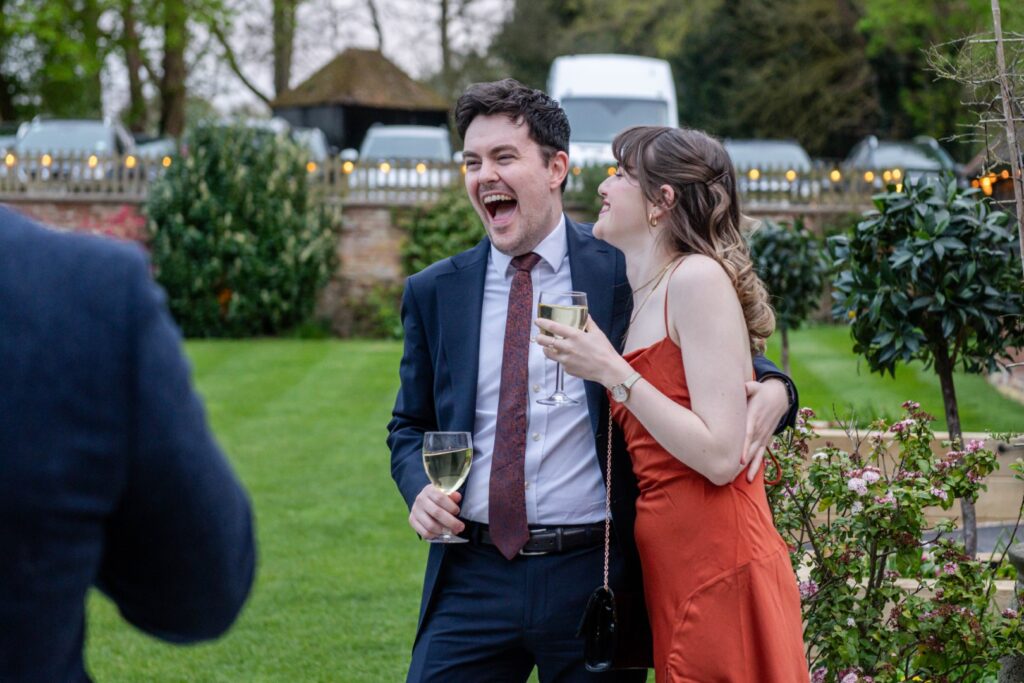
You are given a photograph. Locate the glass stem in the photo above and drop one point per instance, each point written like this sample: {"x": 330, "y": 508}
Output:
{"x": 558, "y": 379}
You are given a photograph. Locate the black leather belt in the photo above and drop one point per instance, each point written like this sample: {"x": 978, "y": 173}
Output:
{"x": 544, "y": 540}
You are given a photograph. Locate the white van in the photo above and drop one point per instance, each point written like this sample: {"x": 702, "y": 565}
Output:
{"x": 604, "y": 94}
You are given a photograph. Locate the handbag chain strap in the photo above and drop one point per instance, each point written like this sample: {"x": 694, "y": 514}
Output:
{"x": 608, "y": 499}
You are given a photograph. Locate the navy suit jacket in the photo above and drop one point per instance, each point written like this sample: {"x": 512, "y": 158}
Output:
{"x": 441, "y": 313}
{"x": 108, "y": 472}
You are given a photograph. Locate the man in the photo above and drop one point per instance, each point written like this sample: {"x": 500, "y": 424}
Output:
{"x": 534, "y": 503}
{"x": 108, "y": 472}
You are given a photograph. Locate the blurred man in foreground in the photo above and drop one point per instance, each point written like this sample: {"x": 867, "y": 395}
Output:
{"x": 109, "y": 475}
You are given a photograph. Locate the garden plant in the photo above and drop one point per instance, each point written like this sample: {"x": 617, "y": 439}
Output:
{"x": 238, "y": 239}
{"x": 885, "y": 596}
{"x": 790, "y": 262}
{"x": 932, "y": 274}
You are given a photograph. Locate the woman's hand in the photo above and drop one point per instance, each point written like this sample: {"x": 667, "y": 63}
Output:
{"x": 585, "y": 354}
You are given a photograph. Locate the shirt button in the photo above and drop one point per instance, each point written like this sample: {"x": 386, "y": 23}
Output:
{"x": 526, "y": 484}
{"x": 536, "y": 436}
{"x": 536, "y": 388}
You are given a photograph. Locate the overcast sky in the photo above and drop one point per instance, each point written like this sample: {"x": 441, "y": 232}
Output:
{"x": 324, "y": 28}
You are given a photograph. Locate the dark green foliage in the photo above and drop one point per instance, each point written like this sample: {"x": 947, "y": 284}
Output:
{"x": 790, "y": 262}
{"x": 439, "y": 231}
{"x": 238, "y": 240}
{"x": 375, "y": 315}
{"x": 581, "y": 192}
{"x": 932, "y": 268}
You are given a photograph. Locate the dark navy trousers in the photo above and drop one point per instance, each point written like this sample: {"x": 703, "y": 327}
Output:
{"x": 494, "y": 620}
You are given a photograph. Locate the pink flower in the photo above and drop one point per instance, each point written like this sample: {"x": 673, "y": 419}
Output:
{"x": 808, "y": 589}
{"x": 819, "y": 675}
{"x": 975, "y": 445}
{"x": 949, "y": 568}
{"x": 849, "y": 678}
{"x": 939, "y": 493}
{"x": 911, "y": 405}
{"x": 887, "y": 499}
{"x": 871, "y": 475}
{"x": 857, "y": 484}
{"x": 1010, "y": 613}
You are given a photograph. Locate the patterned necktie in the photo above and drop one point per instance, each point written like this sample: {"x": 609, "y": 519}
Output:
{"x": 507, "y": 495}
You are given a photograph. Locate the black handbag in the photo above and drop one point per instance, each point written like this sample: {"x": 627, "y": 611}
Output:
{"x": 615, "y": 630}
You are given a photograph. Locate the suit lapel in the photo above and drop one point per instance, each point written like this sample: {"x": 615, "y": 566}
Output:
{"x": 460, "y": 301}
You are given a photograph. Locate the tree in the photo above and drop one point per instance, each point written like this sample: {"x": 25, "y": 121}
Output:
{"x": 790, "y": 263}
{"x": 931, "y": 275}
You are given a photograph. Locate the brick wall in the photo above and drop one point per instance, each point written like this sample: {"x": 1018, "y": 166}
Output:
{"x": 369, "y": 247}
{"x": 119, "y": 219}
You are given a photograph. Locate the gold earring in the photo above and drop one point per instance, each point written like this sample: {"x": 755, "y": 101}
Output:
{"x": 653, "y": 220}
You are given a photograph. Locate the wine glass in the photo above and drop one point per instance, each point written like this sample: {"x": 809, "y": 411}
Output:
{"x": 568, "y": 308}
{"x": 446, "y": 458}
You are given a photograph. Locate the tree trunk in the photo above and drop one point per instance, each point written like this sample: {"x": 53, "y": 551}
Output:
{"x": 446, "y": 52}
{"x": 90, "y": 16}
{"x": 284, "y": 43}
{"x": 1017, "y": 180}
{"x": 375, "y": 18}
{"x": 136, "y": 118}
{"x": 944, "y": 368}
{"x": 785, "y": 350}
{"x": 172, "y": 84}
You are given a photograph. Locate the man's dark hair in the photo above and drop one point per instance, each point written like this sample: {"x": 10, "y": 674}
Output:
{"x": 547, "y": 122}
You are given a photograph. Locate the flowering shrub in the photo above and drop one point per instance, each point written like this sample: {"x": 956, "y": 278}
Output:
{"x": 856, "y": 528}
{"x": 238, "y": 239}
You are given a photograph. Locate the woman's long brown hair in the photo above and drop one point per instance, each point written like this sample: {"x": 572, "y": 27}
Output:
{"x": 705, "y": 216}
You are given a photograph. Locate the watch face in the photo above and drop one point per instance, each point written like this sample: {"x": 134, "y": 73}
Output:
{"x": 620, "y": 393}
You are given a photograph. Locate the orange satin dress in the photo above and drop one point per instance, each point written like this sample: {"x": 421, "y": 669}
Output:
{"x": 721, "y": 592}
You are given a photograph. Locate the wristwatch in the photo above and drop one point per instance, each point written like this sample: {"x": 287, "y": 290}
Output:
{"x": 620, "y": 392}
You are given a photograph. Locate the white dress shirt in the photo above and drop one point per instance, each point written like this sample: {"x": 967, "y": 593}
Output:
{"x": 563, "y": 477}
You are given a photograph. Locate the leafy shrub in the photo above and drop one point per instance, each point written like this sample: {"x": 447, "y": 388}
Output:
{"x": 855, "y": 525}
{"x": 931, "y": 274}
{"x": 238, "y": 240}
{"x": 790, "y": 262}
{"x": 376, "y": 313}
{"x": 444, "y": 229}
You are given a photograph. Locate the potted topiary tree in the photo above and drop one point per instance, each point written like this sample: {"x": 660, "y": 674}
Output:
{"x": 932, "y": 274}
{"x": 790, "y": 262}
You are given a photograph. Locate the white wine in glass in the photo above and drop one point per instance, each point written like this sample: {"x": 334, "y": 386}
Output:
{"x": 567, "y": 308}
{"x": 447, "y": 457}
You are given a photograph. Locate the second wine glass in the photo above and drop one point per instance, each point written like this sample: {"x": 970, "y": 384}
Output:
{"x": 568, "y": 308}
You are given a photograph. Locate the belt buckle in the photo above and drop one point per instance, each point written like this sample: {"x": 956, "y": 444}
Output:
{"x": 535, "y": 553}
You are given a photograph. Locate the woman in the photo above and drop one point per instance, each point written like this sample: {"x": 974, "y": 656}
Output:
{"x": 720, "y": 590}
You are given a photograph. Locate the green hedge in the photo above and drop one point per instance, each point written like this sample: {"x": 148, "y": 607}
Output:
{"x": 238, "y": 240}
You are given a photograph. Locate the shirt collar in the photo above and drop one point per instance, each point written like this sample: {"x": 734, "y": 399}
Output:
{"x": 551, "y": 250}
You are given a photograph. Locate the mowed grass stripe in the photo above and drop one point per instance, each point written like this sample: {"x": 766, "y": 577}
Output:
{"x": 340, "y": 571}
{"x": 829, "y": 374}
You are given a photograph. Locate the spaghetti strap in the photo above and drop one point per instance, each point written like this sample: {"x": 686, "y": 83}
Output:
{"x": 667, "y": 283}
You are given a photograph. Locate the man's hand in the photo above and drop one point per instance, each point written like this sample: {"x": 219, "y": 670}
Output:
{"x": 767, "y": 402}
{"x": 433, "y": 511}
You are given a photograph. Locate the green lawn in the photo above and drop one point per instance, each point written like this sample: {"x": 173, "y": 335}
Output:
{"x": 832, "y": 380}
{"x": 338, "y": 587}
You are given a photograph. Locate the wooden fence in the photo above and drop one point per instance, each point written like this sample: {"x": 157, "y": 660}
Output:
{"x": 81, "y": 176}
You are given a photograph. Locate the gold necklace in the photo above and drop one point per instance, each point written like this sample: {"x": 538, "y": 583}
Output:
{"x": 656, "y": 276}
{"x": 659, "y": 276}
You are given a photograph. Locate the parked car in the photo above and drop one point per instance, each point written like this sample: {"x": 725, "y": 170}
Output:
{"x": 157, "y": 154}
{"x": 71, "y": 148}
{"x": 881, "y": 162}
{"x": 775, "y": 166}
{"x": 314, "y": 141}
{"x": 403, "y": 156}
